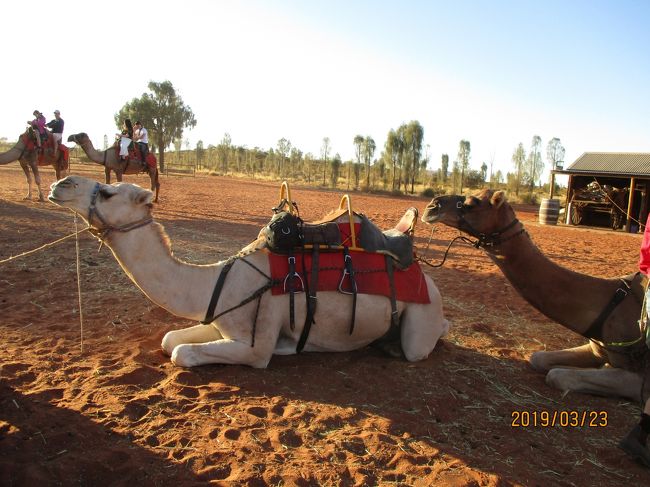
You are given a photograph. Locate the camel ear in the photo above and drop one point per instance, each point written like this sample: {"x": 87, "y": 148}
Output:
{"x": 143, "y": 197}
{"x": 498, "y": 198}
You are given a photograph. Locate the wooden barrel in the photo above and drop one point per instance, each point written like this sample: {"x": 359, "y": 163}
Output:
{"x": 549, "y": 210}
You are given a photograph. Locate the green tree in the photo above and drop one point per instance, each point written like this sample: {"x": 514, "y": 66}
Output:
{"x": 484, "y": 171}
{"x": 178, "y": 145}
{"x": 335, "y": 166}
{"x": 554, "y": 152}
{"x": 324, "y": 152}
{"x": 369, "y": 147}
{"x": 284, "y": 146}
{"x": 162, "y": 112}
{"x": 518, "y": 159}
{"x": 295, "y": 157}
{"x": 413, "y": 136}
{"x": 535, "y": 163}
{"x": 393, "y": 148}
{"x": 463, "y": 160}
{"x": 444, "y": 168}
{"x": 200, "y": 152}
{"x": 309, "y": 163}
{"x": 223, "y": 149}
{"x": 358, "y": 151}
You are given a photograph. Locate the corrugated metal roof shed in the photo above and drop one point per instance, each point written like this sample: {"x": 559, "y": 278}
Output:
{"x": 614, "y": 163}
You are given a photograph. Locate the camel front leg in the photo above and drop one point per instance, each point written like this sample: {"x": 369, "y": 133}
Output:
{"x": 37, "y": 180}
{"x": 107, "y": 173}
{"x": 28, "y": 175}
{"x": 222, "y": 351}
{"x": 194, "y": 334}
{"x": 608, "y": 381}
{"x": 582, "y": 357}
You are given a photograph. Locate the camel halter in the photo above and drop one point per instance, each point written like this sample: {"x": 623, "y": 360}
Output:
{"x": 486, "y": 240}
{"x": 103, "y": 232}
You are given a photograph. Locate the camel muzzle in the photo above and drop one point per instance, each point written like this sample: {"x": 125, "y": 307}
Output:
{"x": 435, "y": 210}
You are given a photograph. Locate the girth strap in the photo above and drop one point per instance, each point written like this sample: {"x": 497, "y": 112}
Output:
{"x": 349, "y": 270}
{"x": 394, "y": 319}
{"x": 595, "y": 331}
{"x": 312, "y": 288}
{"x": 218, "y": 287}
{"x": 292, "y": 271}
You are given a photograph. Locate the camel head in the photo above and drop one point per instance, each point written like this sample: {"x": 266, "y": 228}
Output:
{"x": 79, "y": 138}
{"x": 103, "y": 206}
{"x": 485, "y": 212}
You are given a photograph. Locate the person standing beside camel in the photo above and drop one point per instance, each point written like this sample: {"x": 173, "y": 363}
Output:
{"x": 635, "y": 442}
{"x": 56, "y": 126}
{"x": 141, "y": 136}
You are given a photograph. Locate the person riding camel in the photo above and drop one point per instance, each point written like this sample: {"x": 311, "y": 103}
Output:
{"x": 56, "y": 125}
{"x": 38, "y": 125}
{"x": 125, "y": 139}
{"x": 141, "y": 136}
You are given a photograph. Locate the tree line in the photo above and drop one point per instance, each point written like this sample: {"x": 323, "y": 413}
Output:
{"x": 400, "y": 166}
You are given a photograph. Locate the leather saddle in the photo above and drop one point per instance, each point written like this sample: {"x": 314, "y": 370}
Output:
{"x": 339, "y": 229}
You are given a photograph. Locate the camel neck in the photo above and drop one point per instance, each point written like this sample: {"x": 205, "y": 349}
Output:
{"x": 552, "y": 289}
{"x": 181, "y": 288}
{"x": 12, "y": 154}
{"x": 91, "y": 152}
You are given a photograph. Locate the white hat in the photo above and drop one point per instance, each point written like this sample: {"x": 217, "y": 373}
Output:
{"x": 57, "y": 112}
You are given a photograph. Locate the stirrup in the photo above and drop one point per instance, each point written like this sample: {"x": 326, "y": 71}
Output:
{"x": 354, "y": 283}
{"x": 302, "y": 284}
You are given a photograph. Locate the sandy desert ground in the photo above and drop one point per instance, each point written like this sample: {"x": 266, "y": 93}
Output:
{"x": 119, "y": 412}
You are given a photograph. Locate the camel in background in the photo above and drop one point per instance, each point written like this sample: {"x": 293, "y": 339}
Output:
{"x": 249, "y": 323}
{"x": 27, "y": 154}
{"x": 609, "y": 363}
{"x": 110, "y": 160}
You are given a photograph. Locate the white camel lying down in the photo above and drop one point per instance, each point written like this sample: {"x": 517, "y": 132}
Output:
{"x": 121, "y": 215}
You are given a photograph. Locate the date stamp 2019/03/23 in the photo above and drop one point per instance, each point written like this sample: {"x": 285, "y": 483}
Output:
{"x": 552, "y": 418}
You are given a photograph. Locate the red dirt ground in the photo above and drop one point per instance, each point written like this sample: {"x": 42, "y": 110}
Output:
{"x": 119, "y": 413}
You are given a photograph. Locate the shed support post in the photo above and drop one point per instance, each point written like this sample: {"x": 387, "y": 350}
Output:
{"x": 552, "y": 185}
{"x": 628, "y": 222}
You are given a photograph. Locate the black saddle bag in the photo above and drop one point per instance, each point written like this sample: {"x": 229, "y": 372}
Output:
{"x": 282, "y": 234}
{"x": 286, "y": 231}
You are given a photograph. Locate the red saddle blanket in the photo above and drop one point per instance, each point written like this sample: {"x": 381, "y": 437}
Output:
{"x": 136, "y": 155}
{"x": 369, "y": 274}
{"x": 43, "y": 161}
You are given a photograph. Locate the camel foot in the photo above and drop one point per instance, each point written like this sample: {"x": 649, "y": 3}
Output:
{"x": 635, "y": 447}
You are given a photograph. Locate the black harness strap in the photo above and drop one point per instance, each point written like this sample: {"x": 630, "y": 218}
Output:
{"x": 394, "y": 319}
{"x": 292, "y": 271}
{"x": 349, "y": 270}
{"x": 218, "y": 287}
{"x": 595, "y": 331}
{"x": 312, "y": 288}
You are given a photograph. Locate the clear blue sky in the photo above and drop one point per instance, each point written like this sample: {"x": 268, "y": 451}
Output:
{"x": 495, "y": 73}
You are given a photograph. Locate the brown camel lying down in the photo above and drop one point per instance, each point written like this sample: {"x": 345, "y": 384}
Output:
{"x": 610, "y": 363}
